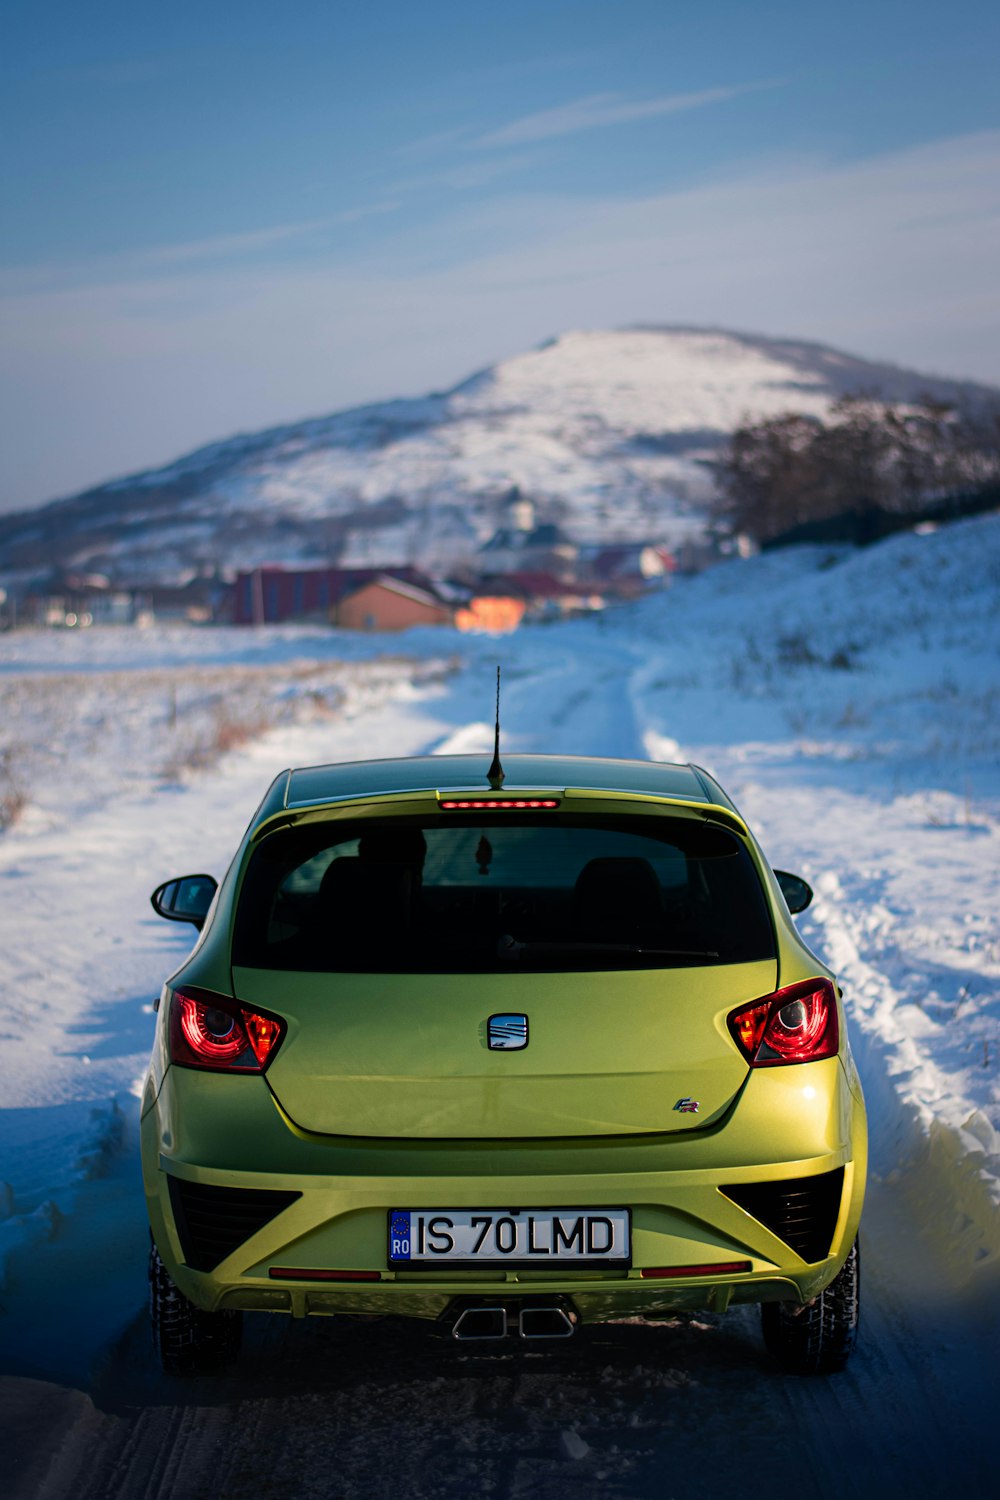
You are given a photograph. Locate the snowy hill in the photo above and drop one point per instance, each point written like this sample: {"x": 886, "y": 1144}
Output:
{"x": 610, "y": 433}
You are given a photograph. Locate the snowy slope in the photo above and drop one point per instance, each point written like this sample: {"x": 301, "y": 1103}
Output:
{"x": 607, "y": 431}
{"x": 848, "y": 701}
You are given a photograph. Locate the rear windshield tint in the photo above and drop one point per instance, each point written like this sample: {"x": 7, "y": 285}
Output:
{"x": 447, "y": 895}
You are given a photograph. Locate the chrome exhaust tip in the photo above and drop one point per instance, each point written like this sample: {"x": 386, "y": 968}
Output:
{"x": 480, "y": 1323}
{"x": 546, "y": 1323}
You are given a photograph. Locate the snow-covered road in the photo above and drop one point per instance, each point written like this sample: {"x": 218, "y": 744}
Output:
{"x": 864, "y": 751}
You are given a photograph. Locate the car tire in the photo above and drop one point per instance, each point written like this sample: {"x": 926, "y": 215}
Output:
{"x": 188, "y": 1340}
{"x": 817, "y": 1339}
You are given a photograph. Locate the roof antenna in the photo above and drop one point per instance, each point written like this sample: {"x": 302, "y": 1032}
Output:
{"x": 495, "y": 773}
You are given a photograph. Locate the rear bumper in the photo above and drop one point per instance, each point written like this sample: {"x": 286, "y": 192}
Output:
{"x": 794, "y": 1123}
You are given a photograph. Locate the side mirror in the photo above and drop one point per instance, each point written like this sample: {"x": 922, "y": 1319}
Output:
{"x": 185, "y": 899}
{"x": 796, "y": 891}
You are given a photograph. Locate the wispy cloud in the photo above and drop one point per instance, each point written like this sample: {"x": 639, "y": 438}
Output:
{"x": 430, "y": 145}
{"x": 596, "y": 111}
{"x": 225, "y": 245}
{"x": 151, "y": 259}
{"x": 364, "y": 211}
{"x": 466, "y": 174}
{"x": 229, "y": 245}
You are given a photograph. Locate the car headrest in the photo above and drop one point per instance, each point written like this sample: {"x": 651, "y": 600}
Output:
{"x": 356, "y": 895}
{"x": 617, "y": 899}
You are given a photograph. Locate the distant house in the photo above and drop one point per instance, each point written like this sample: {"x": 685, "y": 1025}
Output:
{"x": 200, "y": 601}
{"x": 76, "y": 600}
{"x": 273, "y": 595}
{"x": 491, "y": 614}
{"x": 539, "y": 595}
{"x": 390, "y": 603}
{"x": 520, "y": 543}
{"x": 544, "y": 548}
{"x": 627, "y": 569}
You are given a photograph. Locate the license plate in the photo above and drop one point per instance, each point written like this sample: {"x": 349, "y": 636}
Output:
{"x": 509, "y": 1237}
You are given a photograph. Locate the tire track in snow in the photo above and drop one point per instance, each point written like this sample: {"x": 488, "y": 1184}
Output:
{"x": 559, "y": 703}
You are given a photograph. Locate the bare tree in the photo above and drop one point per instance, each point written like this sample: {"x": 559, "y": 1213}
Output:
{"x": 869, "y": 456}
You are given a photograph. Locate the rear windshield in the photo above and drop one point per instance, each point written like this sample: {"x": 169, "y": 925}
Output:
{"x": 451, "y": 895}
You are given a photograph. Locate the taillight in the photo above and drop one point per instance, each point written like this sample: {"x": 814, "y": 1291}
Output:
{"x": 794, "y": 1025}
{"x": 207, "y": 1031}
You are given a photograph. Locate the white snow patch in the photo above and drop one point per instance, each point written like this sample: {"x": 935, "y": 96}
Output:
{"x": 573, "y": 1445}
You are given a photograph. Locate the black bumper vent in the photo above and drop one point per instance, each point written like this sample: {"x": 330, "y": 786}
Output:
{"x": 802, "y": 1211}
{"x": 212, "y": 1221}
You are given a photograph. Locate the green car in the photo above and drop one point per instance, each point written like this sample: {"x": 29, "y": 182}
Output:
{"x": 512, "y": 1052}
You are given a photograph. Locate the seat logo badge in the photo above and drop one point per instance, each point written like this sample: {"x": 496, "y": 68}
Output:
{"x": 507, "y": 1033}
{"x": 687, "y": 1106}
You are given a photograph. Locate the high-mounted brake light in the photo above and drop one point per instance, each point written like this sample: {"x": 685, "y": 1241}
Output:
{"x": 496, "y": 804}
{"x": 207, "y": 1031}
{"x": 794, "y": 1025}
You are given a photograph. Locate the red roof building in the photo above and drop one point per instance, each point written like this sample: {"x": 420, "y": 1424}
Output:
{"x": 272, "y": 595}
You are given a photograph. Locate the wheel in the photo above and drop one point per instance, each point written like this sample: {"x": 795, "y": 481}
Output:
{"x": 187, "y": 1340}
{"x": 817, "y": 1339}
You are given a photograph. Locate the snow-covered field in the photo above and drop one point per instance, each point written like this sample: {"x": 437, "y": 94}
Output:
{"x": 847, "y": 701}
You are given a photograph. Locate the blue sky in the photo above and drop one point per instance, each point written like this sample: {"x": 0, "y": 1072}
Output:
{"x": 216, "y": 218}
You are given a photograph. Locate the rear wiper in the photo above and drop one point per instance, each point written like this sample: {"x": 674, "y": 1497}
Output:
{"x": 508, "y": 947}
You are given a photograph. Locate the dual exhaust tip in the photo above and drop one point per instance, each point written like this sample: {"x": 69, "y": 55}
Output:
{"x": 531, "y": 1321}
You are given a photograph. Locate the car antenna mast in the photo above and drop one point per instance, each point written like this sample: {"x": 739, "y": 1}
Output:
{"x": 495, "y": 773}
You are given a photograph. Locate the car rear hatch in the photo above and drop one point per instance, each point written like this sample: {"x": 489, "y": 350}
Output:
{"x": 617, "y": 939}
{"x": 609, "y": 1053}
